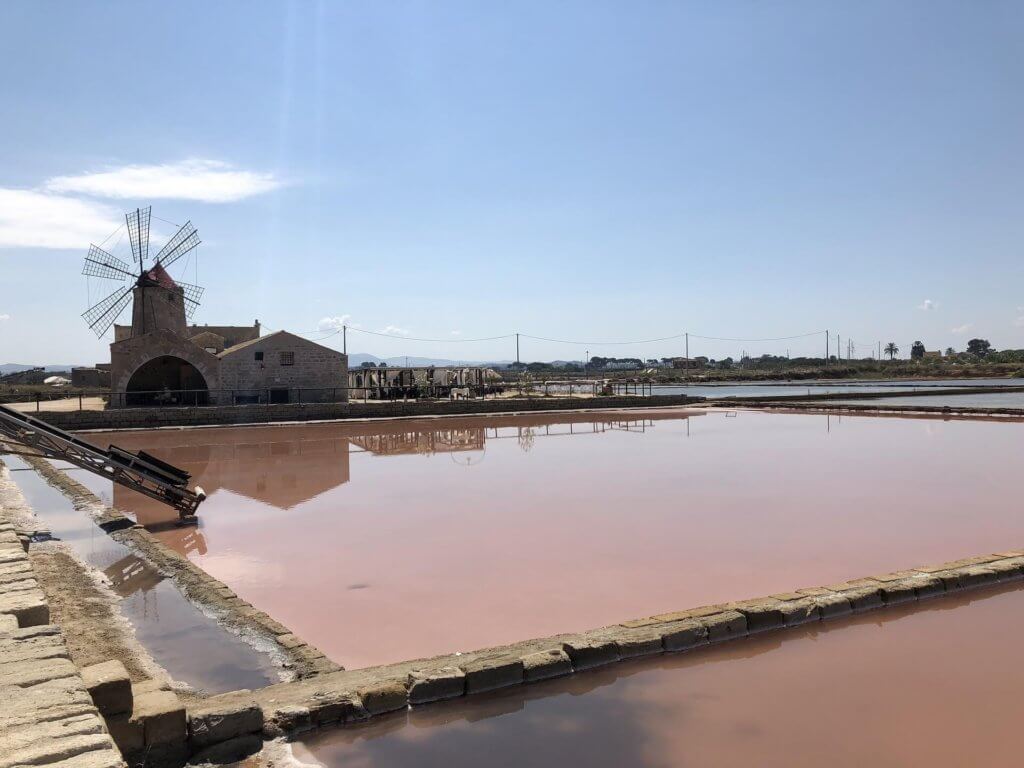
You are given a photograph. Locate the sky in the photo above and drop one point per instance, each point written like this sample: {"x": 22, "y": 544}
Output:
{"x": 587, "y": 171}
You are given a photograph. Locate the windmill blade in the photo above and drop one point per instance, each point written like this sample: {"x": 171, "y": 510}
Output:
{"x": 184, "y": 240}
{"x": 102, "y": 315}
{"x": 193, "y": 293}
{"x": 138, "y": 232}
{"x": 99, "y": 263}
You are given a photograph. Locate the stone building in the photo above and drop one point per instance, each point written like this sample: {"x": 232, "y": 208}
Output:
{"x": 161, "y": 360}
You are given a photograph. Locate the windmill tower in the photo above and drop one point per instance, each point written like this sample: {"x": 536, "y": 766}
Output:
{"x": 158, "y": 301}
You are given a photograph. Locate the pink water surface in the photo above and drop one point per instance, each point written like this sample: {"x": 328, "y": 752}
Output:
{"x": 930, "y": 684}
{"x": 391, "y": 540}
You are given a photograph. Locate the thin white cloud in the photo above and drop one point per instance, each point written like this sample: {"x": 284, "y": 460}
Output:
{"x": 333, "y": 323}
{"x": 394, "y": 330}
{"x": 456, "y": 333}
{"x": 927, "y": 305}
{"x": 31, "y": 219}
{"x": 4, "y": 317}
{"x": 208, "y": 181}
{"x": 960, "y": 329}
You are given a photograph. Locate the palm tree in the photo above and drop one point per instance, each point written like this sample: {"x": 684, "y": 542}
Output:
{"x": 891, "y": 350}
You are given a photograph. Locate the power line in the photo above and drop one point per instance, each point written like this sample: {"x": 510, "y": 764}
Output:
{"x": 414, "y": 338}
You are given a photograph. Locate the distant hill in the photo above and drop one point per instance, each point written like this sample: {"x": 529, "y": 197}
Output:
{"x": 6, "y": 368}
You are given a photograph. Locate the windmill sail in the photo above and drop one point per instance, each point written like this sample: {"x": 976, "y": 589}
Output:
{"x": 99, "y": 263}
{"x": 138, "y": 232}
{"x": 102, "y": 315}
{"x": 184, "y": 240}
{"x": 193, "y": 293}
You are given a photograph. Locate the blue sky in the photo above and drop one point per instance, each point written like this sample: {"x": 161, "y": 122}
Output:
{"x": 577, "y": 170}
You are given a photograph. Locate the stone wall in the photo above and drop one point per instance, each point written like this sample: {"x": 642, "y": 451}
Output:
{"x": 136, "y": 418}
{"x": 260, "y": 366}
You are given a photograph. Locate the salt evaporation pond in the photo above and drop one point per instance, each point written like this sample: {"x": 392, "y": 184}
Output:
{"x": 936, "y": 683}
{"x": 190, "y": 645}
{"x": 382, "y": 541}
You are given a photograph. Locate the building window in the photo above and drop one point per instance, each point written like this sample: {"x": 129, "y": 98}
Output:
{"x": 258, "y": 356}
{"x": 287, "y": 358}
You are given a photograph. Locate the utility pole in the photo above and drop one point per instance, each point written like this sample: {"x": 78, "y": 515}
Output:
{"x": 517, "y": 349}
{"x": 687, "y": 355}
{"x": 344, "y": 339}
{"x": 826, "y": 346}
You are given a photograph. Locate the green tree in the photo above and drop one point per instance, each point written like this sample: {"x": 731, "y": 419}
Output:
{"x": 917, "y": 350}
{"x": 891, "y": 349}
{"x": 950, "y": 351}
{"x": 979, "y": 347}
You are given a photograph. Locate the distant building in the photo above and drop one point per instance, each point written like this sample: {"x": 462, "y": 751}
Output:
{"x": 160, "y": 360}
{"x": 932, "y": 354}
{"x": 689, "y": 362}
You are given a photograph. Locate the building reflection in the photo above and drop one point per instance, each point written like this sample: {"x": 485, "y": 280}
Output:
{"x": 285, "y": 466}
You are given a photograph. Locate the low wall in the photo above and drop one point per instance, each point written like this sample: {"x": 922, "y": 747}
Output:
{"x": 135, "y": 418}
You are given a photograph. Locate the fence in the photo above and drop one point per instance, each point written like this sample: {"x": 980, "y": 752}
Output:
{"x": 99, "y": 399}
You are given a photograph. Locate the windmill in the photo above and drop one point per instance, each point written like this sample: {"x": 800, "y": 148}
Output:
{"x": 102, "y": 264}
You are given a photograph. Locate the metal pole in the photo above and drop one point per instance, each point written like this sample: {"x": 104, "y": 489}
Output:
{"x": 826, "y": 347}
{"x": 687, "y": 356}
{"x": 344, "y": 339}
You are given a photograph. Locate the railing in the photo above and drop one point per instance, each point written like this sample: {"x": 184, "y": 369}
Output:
{"x": 98, "y": 399}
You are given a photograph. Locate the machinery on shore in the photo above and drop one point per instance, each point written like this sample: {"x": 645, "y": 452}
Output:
{"x": 139, "y": 471}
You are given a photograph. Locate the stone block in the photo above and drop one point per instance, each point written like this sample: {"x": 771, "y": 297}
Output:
{"x": 950, "y": 579}
{"x": 976, "y": 576}
{"x": 110, "y": 687}
{"x": 928, "y": 586}
{"x": 489, "y": 673}
{"x": 162, "y": 716}
{"x": 761, "y": 615}
{"x": 56, "y": 750}
{"x": 94, "y": 758}
{"x": 29, "y": 608}
{"x": 725, "y": 626}
{"x": 148, "y": 686}
{"x": 863, "y": 598}
{"x": 229, "y": 751}
{"x": 8, "y": 622}
{"x": 800, "y": 611}
{"x": 128, "y": 734}
{"x": 287, "y": 719}
{"x": 896, "y": 592}
{"x": 220, "y": 719}
{"x": 587, "y": 652}
{"x": 335, "y": 707}
{"x": 632, "y": 642}
{"x": 1005, "y": 570}
{"x": 831, "y": 605}
{"x": 384, "y": 696}
{"x": 683, "y": 635}
{"x": 543, "y": 665}
{"x": 435, "y": 684}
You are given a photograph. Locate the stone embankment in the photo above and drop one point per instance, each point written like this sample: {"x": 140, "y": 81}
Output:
{"x": 141, "y": 418}
{"x": 48, "y": 716}
{"x": 356, "y": 695}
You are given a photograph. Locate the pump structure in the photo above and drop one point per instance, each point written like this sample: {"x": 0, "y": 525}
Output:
{"x": 139, "y": 471}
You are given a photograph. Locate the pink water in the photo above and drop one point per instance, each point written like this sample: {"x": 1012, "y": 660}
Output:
{"x": 935, "y": 684}
{"x": 383, "y": 541}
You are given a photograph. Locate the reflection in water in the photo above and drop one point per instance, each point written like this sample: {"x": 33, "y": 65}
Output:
{"x": 880, "y": 689}
{"x": 192, "y": 647}
{"x": 564, "y": 522}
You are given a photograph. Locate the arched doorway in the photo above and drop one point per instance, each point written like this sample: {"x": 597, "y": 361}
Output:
{"x": 166, "y": 380}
